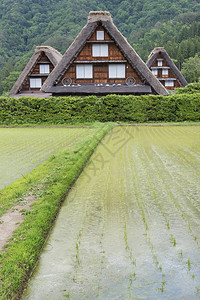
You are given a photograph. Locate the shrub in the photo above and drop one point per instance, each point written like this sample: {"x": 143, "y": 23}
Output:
{"x": 62, "y": 110}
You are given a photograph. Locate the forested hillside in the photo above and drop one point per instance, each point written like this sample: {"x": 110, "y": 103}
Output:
{"x": 146, "y": 24}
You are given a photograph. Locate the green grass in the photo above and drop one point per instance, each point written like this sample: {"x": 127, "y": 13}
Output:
{"x": 54, "y": 179}
{"x": 23, "y": 149}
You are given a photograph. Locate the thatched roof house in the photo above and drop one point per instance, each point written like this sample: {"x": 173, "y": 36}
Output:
{"x": 100, "y": 61}
{"x": 35, "y": 73}
{"x": 164, "y": 69}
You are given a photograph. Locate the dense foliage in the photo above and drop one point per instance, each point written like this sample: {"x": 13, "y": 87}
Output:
{"x": 146, "y": 24}
{"x": 191, "y": 68}
{"x": 191, "y": 88}
{"x": 62, "y": 110}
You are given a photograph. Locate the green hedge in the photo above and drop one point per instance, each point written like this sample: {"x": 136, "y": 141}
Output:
{"x": 61, "y": 110}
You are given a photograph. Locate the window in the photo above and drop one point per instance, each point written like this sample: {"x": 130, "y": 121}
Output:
{"x": 160, "y": 63}
{"x": 100, "y": 35}
{"x": 165, "y": 72}
{"x": 44, "y": 69}
{"x": 169, "y": 83}
{"x": 117, "y": 71}
{"x": 155, "y": 72}
{"x": 35, "y": 83}
{"x": 100, "y": 50}
{"x": 84, "y": 71}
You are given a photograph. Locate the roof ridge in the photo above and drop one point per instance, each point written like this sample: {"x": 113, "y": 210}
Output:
{"x": 95, "y": 16}
{"x": 45, "y": 48}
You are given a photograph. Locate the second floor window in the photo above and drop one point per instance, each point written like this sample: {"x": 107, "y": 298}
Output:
{"x": 44, "y": 69}
{"x": 116, "y": 71}
{"x": 35, "y": 83}
{"x": 155, "y": 72}
{"x": 169, "y": 83}
{"x": 84, "y": 71}
{"x": 100, "y": 50}
{"x": 165, "y": 72}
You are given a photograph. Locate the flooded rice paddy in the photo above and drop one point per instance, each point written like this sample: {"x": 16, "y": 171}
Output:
{"x": 130, "y": 227}
{"x": 23, "y": 149}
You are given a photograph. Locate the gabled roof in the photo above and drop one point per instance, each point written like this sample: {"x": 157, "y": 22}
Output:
{"x": 53, "y": 55}
{"x": 160, "y": 50}
{"x": 104, "y": 19}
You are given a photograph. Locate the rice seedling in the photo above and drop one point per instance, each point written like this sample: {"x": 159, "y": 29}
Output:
{"x": 26, "y": 148}
{"x": 168, "y": 226}
{"x": 173, "y": 240}
{"x": 134, "y": 223}
{"x": 189, "y": 264}
{"x": 134, "y": 261}
{"x": 163, "y": 283}
{"x": 197, "y": 289}
{"x": 125, "y": 239}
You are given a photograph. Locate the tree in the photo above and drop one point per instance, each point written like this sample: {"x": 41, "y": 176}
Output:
{"x": 191, "y": 69}
{"x": 9, "y": 81}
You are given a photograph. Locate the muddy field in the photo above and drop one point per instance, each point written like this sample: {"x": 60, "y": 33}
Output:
{"x": 130, "y": 227}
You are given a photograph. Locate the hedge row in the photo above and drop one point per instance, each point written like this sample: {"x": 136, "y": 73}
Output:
{"x": 61, "y": 110}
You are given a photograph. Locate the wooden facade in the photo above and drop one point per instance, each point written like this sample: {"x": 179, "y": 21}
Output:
{"x": 100, "y": 64}
{"x": 35, "y": 73}
{"x": 165, "y": 70}
{"x": 100, "y": 61}
{"x": 37, "y": 70}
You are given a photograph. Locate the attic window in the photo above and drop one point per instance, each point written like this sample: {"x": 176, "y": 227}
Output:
{"x": 100, "y": 50}
{"x": 84, "y": 71}
{"x": 160, "y": 62}
{"x": 44, "y": 69}
{"x": 100, "y": 35}
{"x": 35, "y": 83}
{"x": 117, "y": 71}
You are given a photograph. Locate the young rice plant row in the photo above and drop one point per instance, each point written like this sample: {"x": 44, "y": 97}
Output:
{"x": 130, "y": 227}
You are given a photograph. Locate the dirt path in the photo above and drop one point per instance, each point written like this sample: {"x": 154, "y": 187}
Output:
{"x": 12, "y": 219}
{"x": 130, "y": 227}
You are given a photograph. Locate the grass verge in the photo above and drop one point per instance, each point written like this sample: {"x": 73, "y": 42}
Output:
{"x": 53, "y": 179}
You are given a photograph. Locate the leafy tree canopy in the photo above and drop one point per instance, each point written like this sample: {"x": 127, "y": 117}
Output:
{"x": 146, "y": 24}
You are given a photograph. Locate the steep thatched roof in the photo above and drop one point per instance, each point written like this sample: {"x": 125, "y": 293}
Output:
{"x": 53, "y": 55}
{"x": 160, "y": 50}
{"x": 95, "y": 19}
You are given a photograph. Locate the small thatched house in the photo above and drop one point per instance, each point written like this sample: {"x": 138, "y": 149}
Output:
{"x": 100, "y": 61}
{"x": 165, "y": 70}
{"x": 35, "y": 73}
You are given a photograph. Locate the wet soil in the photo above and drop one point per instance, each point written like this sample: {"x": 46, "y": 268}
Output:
{"x": 130, "y": 226}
